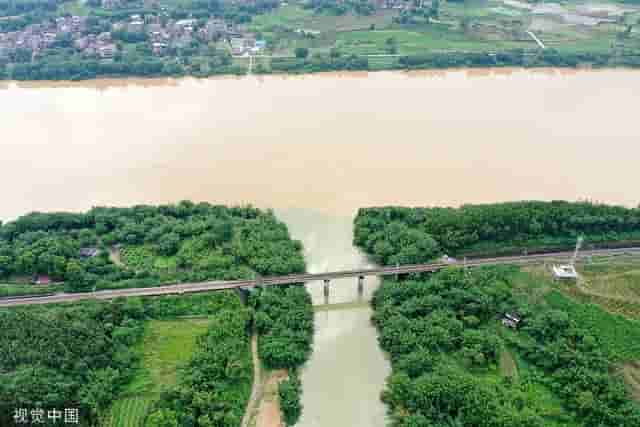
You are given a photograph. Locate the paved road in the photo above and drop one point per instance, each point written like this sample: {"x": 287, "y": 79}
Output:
{"x": 182, "y": 288}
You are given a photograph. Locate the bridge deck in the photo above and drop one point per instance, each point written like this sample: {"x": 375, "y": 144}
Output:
{"x": 182, "y": 288}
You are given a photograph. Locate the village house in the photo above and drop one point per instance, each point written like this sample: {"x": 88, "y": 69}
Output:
{"x": 151, "y": 4}
{"x": 82, "y": 43}
{"x": 158, "y": 48}
{"x": 104, "y": 37}
{"x": 112, "y": 4}
{"x": 107, "y": 51}
{"x": 136, "y": 26}
{"x": 154, "y": 28}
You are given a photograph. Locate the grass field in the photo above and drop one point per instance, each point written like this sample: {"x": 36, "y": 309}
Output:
{"x": 631, "y": 373}
{"x": 293, "y": 17}
{"x": 166, "y": 345}
{"x": 619, "y": 335}
{"x": 508, "y": 366}
{"x": 618, "y": 278}
{"x": 419, "y": 40}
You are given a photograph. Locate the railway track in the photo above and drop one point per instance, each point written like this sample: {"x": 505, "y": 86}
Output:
{"x": 182, "y": 288}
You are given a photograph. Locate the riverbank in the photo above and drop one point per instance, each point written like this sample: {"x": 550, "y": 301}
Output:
{"x": 102, "y": 83}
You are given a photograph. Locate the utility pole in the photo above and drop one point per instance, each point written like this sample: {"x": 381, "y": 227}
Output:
{"x": 575, "y": 252}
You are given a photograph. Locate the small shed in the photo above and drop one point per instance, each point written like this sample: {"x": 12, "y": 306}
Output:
{"x": 511, "y": 320}
{"x": 42, "y": 279}
{"x": 89, "y": 252}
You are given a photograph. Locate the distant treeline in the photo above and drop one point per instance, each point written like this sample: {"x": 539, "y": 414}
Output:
{"x": 412, "y": 235}
{"x": 153, "y": 67}
{"x": 520, "y": 58}
{"x": 90, "y": 69}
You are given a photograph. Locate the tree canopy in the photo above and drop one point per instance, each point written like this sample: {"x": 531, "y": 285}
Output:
{"x": 406, "y": 235}
{"x": 158, "y": 244}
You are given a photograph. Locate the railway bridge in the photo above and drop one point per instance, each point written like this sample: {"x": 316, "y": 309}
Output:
{"x": 360, "y": 274}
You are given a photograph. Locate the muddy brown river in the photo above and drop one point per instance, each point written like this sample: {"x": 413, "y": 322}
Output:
{"x": 315, "y": 148}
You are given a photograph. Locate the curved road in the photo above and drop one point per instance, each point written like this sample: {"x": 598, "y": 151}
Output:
{"x": 181, "y": 288}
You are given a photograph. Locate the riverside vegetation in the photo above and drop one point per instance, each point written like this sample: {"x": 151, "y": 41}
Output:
{"x": 414, "y": 235}
{"x": 445, "y": 341}
{"x": 453, "y": 361}
{"x": 157, "y": 245}
{"x": 95, "y": 354}
{"x": 284, "y": 323}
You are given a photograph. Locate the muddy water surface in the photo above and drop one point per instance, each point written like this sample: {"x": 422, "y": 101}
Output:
{"x": 315, "y": 148}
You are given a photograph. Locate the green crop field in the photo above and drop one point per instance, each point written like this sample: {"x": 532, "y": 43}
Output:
{"x": 619, "y": 335}
{"x": 129, "y": 412}
{"x": 409, "y": 42}
{"x": 166, "y": 345}
{"x": 143, "y": 257}
{"x": 619, "y": 279}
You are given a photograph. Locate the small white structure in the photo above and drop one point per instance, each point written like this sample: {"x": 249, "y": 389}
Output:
{"x": 564, "y": 272}
{"x": 511, "y": 320}
{"x": 568, "y": 271}
{"x": 447, "y": 259}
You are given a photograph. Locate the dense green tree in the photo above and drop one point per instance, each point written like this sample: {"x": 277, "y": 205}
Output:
{"x": 394, "y": 234}
{"x": 289, "y": 392}
{"x": 441, "y": 331}
{"x": 155, "y": 244}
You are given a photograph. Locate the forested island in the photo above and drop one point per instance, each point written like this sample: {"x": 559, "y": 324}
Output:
{"x": 154, "y": 362}
{"x": 414, "y": 235}
{"x": 76, "y": 39}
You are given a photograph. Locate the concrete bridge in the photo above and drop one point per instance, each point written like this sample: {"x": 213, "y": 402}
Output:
{"x": 360, "y": 274}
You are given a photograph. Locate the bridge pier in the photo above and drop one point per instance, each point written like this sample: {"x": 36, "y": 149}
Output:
{"x": 243, "y": 293}
{"x": 360, "y": 286}
{"x": 326, "y": 291}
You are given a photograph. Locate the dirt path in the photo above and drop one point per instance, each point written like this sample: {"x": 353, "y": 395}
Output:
{"x": 114, "y": 255}
{"x": 582, "y": 284}
{"x": 631, "y": 373}
{"x": 263, "y": 408}
{"x": 508, "y": 365}
{"x": 256, "y": 390}
{"x": 269, "y": 413}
